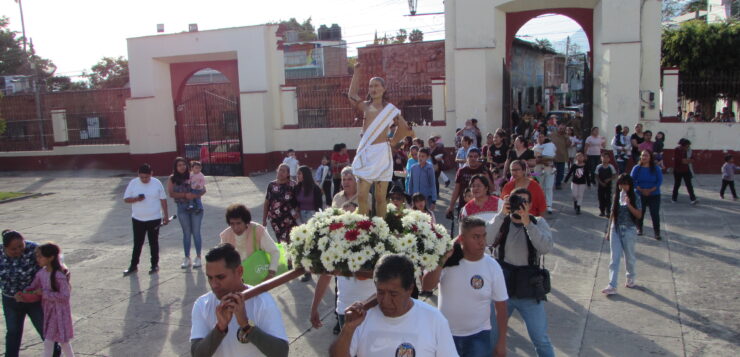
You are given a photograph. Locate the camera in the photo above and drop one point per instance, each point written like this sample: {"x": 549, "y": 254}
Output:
{"x": 516, "y": 203}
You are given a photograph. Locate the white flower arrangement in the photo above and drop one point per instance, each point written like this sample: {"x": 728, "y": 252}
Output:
{"x": 345, "y": 243}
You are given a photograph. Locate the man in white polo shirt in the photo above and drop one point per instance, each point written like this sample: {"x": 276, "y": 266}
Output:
{"x": 399, "y": 325}
{"x": 468, "y": 282}
{"x": 148, "y": 212}
{"x": 226, "y": 325}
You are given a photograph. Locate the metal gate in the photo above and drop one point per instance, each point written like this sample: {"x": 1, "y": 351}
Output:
{"x": 588, "y": 100}
{"x": 209, "y": 130}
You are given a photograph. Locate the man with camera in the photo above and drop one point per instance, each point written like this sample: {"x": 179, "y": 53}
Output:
{"x": 520, "y": 240}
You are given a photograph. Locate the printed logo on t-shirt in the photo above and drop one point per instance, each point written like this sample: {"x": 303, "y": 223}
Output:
{"x": 405, "y": 349}
{"x": 476, "y": 282}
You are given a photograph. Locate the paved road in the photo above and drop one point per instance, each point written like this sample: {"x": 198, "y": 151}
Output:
{"x": 687, "y": 303}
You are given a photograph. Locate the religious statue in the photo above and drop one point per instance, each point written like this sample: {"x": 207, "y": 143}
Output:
{"x": 373, "y": 163}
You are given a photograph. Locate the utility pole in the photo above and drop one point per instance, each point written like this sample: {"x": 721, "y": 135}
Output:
{"x": 565, "y": 67}
{"x": 23, "y": 25}
{"x": 37, "y": 93}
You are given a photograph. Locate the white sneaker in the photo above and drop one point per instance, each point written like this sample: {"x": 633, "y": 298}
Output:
{"x": 197, "y": 263}
{"x": 630, "y": 283}
{"x": 185, "y": 263}
{"x": 694, "y": 202}
{"x": 609, "y": 290}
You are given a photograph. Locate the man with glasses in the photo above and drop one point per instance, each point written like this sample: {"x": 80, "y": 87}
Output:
{"x": 516, "y": 234}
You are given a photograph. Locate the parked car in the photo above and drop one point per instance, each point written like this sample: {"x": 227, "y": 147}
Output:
{"x": 227, "y": 151}
{"x": 564, "y": 116}
{"x": 576, "y": 108}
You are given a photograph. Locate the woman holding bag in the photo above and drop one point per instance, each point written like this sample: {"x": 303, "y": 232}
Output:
{"x": 249, "y": 237}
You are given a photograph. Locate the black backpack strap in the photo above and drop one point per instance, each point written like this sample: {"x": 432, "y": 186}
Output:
{"x": 501, "y": 239}
{"x": 531, "y": 251}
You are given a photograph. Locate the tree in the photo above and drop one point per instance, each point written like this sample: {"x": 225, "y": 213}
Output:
{"x": 544, "y": 44}
{"x": 306, "y": 30}
{"x": 63, "y": 83}
{"x": 694, "y": 6}
{"x": 671, "y": 9}
{"x": 401, "y": 36}
{"x": 416, "y": 35}
{"x": 109, "y": 72}
{"x": 705, "y": 53}
{"x": 13, "y": 60}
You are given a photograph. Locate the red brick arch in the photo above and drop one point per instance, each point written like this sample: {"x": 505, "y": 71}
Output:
{"x": 181, "y": 72}
{"x": 515, "y": 21}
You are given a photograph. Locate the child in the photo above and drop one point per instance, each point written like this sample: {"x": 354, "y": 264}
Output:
{"x": 658, "y": 147}
{"x": 51, "y": 283}
{"x": 575, "y": 145}
{"x": 419, "y": 203}
{"x": 622, "y": 232}
{"x": 398, "y": 197}
{"x": 468, "y": 195}
{"x": 197, "y": 186}
{"x": 728, "y": 176}
{"x": 605, "y": 173}
{"x": 323, "y": 178}
{"x": 421, "y": 178}
{"x": 581, "y": 178}
{"x": 292, "y": 163}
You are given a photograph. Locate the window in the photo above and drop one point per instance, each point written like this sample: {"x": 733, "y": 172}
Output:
{"x": 16, "y": 131}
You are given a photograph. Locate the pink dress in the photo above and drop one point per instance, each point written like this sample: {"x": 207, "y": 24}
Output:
{"x": 57, "y": 314}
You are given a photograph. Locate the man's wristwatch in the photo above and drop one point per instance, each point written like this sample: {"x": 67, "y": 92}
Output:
{"x": 242, "y": 334}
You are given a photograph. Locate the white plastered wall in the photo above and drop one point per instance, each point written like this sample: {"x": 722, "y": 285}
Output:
{"x": 150, "y": 117}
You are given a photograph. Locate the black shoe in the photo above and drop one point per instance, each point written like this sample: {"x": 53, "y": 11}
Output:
{"x": 447, "y": 183}
{"x": 130, "y": 271}
{"x": 306, "y": 277}
{"x": 337, "y": 329}
{"x": 153, "y": 270}
{"x": 602, "y": 214}
{"x": 558, "y": 187}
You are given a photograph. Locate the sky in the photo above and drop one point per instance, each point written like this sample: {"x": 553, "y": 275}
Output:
{"x": 75, "y": 34}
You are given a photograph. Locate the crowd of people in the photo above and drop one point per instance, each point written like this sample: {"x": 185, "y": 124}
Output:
{"x": 503, "y": 190}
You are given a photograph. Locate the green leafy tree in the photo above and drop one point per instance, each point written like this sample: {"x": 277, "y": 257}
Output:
{"x": 14, "y": 61}
{"x": 544, "y": 44}
{"x": 109, "y": 72}
{"x": 707, "y": 53}
{"x": 416, "y": 35}
{"x": 401, "y": 36}
{"x": 694, "y": 6}
{"x": 305, "y": 29}
{"x": 63, "y": 83}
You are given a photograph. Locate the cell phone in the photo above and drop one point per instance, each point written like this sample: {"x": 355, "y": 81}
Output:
{"x": 141, "y": 195}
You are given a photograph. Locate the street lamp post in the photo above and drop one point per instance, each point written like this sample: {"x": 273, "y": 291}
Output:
{"x": 23, "y": 24}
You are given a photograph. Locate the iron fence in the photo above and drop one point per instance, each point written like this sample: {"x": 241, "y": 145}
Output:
{"x": 323, "y": 103}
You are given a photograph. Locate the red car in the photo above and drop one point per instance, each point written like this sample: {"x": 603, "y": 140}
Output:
{"x": 221, "y": 152}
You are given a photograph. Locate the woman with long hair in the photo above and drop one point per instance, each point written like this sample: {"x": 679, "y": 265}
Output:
{"x": 520, "y": 151}
{"x": 593, "y": 145}
{"x": 648, "y": 178}
{"x": 281, "y": 206}
{"x": 308, "y": 194}
{"x": 178, "y": 187}
{"x": 622, "y": 233}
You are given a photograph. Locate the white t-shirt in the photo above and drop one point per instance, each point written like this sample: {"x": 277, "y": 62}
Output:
{"x": 546, "y": 149}
{"x": 351, "y": 290}
{"x": 151, "y": 207}
{"x": 466, "y": 292}
{"x": 593, "y": 145}
{"x": 261, "y": 310}
{"x": 420, "y": 332}
{"x": 292, "y": 165}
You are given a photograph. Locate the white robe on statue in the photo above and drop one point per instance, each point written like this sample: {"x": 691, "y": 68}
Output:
{"x": 374, "y": 162}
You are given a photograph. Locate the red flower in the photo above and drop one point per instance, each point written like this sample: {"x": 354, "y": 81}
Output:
{"x": 414, "y": 228}
{"x": 351, "y": 235}
{"x": 366, "y": 225}
{"x": 335, "y": 226}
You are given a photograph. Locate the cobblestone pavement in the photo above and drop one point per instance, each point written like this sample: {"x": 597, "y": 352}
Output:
{"x": 686, "y": 304}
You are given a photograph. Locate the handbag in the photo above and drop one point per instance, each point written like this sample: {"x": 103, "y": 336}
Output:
{"x": 256, "y": 266}
{"x": 530, "y": 281}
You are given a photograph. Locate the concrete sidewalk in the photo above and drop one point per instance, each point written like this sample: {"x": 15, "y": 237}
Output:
{"x": 686, "y": 304}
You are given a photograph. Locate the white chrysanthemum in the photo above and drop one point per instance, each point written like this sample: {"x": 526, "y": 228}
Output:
{"x": 306, "y": 263}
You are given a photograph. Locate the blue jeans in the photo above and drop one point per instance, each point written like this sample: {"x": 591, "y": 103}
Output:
{"x": 560, "y": 167}
{"x": 621, "y": 166}
{"x": 15, "y": 316}
{"x": 190, "y": 223}
{"x": 306, "y": 215}
{"x": 535, "y": 318}
{"x": 622, "y": 239}
{"x": 476, "y": 345}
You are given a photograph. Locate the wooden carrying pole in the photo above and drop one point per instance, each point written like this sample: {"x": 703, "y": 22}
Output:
{"x": 284, "y": 278}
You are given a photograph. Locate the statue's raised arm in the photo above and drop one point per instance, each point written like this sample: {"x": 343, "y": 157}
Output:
{"x": 354, "y": 88}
